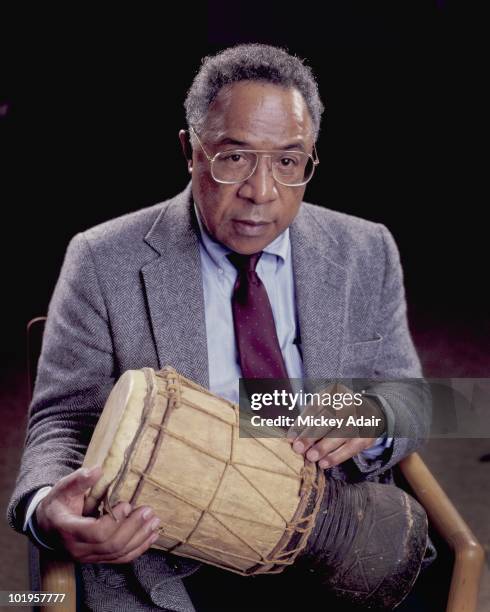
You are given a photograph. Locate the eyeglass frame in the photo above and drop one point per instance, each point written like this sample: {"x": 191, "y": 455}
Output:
{"x": 315, "y": 160}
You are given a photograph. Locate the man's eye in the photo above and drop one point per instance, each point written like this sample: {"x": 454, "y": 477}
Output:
{"x": 288, "y": 161}
{"x": 234, "y": 157}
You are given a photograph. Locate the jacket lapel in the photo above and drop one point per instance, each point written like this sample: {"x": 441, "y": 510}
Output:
{"x": 320, "y": 285}
{"x": 173, "y": 285}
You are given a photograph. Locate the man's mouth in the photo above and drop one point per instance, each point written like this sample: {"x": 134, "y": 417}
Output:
{"x": 246, "y": 227}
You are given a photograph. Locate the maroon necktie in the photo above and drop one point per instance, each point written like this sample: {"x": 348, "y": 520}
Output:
{"x": 255, "y": 331}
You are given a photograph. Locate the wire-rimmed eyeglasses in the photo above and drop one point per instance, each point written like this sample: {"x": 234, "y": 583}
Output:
{"x": 291, "y": 168}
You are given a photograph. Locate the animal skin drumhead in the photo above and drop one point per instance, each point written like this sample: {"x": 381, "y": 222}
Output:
{"x": 114, "y": 432}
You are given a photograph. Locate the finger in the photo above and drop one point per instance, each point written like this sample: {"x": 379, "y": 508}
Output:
{"x": 90, "y": 530}
{"x": 323, "y": 447}
{"x": 117, "y": 546}
{"x": 125, "y": 558}
{"x": 310, "y": 436}
{"x": 346, "y": 451}
{"x": 100, "y": 542}
{"x": 131, "y": 533}
{"x": 76, "y": 483}
{"x": 109, "y": 534}
{"x": 301, "y": 445}
{"x": 121, "y": 510}
{"x": 122, "y": 547}
{"x": 137, "y": 552}
{"x": 303, "y": 438}
{"x": 298, "y": 429}
{"x": 84, "y": 529}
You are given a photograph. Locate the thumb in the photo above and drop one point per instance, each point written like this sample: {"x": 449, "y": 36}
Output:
{"x": 76, "y": 483}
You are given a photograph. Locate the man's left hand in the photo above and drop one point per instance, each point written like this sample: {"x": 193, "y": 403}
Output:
{"x": 332, "y": 446}
{"x": 330, "y": 451}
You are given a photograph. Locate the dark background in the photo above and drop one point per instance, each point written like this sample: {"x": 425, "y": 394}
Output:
{"x": 92, "y": 105}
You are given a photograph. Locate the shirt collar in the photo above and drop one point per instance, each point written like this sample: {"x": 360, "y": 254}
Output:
{"x": 279, "y": 247}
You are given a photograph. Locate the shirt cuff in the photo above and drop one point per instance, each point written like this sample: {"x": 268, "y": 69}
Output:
{"x": 29, "y": 527}
{"x": 386, "y": 440}
{"x": 388, "y": 412}
{"x": 374, "y": 451}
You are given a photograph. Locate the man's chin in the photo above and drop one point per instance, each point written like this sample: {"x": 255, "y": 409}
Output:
{"x": 246, "y": 245}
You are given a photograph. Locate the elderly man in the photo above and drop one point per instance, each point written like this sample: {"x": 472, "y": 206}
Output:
{"x": 159, "y": 287}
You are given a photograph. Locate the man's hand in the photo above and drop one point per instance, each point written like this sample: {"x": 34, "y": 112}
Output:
{"x": 94, "y": 540}
{"x": 333, "y": 445}
{"x": 330, "y": 451}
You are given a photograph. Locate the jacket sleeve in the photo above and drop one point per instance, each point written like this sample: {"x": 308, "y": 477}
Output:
{"x": 398, "y": 385}
{"x": 76, "y": 372}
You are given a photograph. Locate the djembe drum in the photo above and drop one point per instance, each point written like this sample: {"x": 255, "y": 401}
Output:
{"x": 246, "y": 504}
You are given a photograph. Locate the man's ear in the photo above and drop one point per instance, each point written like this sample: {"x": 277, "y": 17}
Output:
{"x": 185, "y": 143}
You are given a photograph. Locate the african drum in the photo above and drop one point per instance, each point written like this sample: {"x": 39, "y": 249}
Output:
{"x": 244, "y": 504}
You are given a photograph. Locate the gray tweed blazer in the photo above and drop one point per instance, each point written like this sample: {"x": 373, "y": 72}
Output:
{"x": 130, "y": 295}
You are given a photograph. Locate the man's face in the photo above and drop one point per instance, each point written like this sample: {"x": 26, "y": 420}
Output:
{"x": 247, "y": 216}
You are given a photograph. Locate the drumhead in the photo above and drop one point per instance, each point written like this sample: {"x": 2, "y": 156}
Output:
{"x": 114, "y": 432}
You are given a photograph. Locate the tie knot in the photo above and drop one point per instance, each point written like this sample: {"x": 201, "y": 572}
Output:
{"x": 244, "y": 263}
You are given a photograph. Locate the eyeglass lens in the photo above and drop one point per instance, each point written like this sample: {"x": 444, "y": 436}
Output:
{"x": 289, "y": 167}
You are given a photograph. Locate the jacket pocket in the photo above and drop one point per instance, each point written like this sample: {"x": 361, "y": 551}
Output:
{"x": 360, "y": 357}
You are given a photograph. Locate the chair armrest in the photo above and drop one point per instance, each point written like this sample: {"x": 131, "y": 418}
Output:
{"x": 469, "y": 554}
{"x": 58, "y": 576}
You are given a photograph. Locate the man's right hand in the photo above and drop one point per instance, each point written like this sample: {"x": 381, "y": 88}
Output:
{"x": 93, "y": 540}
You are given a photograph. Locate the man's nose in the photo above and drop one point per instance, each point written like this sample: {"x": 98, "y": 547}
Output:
{"x": 261, "y": 187}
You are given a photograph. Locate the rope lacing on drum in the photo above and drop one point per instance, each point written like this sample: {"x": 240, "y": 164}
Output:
{"x": 312, "y": 481}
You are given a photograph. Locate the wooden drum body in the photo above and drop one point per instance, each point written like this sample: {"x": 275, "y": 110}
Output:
{"x": 244, "y": 504}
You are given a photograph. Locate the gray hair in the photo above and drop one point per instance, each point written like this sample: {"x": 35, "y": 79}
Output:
{"x": 253, "y": 62}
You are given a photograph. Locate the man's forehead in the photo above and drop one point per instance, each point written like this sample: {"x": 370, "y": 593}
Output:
{"x": 254, "y": 110}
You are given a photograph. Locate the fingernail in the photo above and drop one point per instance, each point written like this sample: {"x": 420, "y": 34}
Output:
{"x": 298, "y": 447}
{"x": 324, "y": 464}
{"x": 147, "y": 514}
{"x": 89, "y": 471}
{"x": 154, "y": 537}
{"x": 313, "y": 455}
{"x": 151, "y": 526}
{"x": 127, "y": 509}
{"x": 154, "y": 524}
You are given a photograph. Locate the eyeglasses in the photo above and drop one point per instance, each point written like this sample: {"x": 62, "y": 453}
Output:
{"x": 290, "y": 168}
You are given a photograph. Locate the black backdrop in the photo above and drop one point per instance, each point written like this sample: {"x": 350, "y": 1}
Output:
{"x": 90, "y": 107}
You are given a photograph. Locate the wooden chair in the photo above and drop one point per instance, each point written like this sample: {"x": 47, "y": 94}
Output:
{"x": 57, "y": 575}
{"x": 445, "y": 520}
